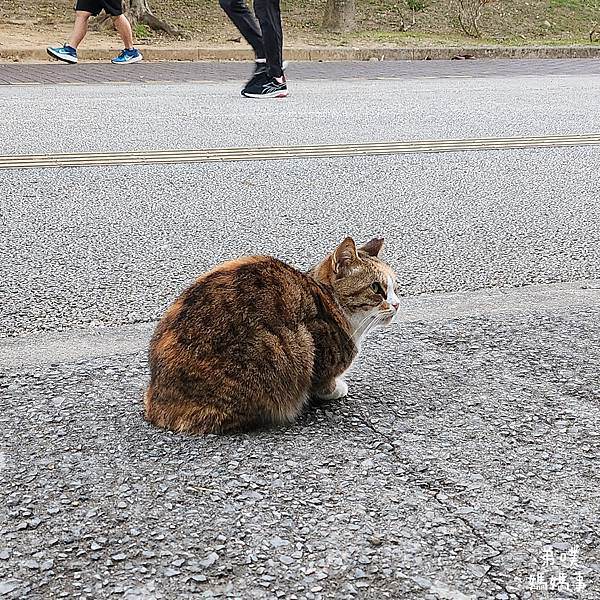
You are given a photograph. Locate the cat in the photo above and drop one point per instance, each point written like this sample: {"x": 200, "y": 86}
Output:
{"x": 252, "y": 340}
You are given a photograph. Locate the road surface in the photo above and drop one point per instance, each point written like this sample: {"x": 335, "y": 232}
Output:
{"x": 463, "y": 463}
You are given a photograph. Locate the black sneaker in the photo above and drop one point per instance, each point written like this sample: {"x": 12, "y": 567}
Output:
{"x": 260, "y": 69}
{"x": 265, "y": 86}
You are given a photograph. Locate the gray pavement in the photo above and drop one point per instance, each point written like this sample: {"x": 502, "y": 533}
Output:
{"x": 179, "y": 72}
{"x": 75, "y": 345}
{"x": 115, "y": 245}
{"x": 43, "y": 119}
{"x": 442, "y": 475}
{"x": 466, "y": 454}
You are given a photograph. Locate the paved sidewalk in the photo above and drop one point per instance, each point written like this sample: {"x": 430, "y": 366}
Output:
{"x": 86, "y": 73}
{"x": 466, "y": 451}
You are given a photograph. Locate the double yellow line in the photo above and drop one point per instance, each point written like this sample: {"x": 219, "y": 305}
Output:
{"x": 92, "y": 159}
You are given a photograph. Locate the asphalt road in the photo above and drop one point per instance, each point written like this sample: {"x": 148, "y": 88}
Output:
{"x": 62, "y": 118}
{"x": 464, "y": 458}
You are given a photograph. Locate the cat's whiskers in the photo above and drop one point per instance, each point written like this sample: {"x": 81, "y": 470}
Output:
{"x": 367, "y": 321}
{"x": 357, "y": 330}
{"x": 374, "y": 321}
{"x": 378, "y": 319}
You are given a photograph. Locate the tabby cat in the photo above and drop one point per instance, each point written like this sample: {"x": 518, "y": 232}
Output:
{"x": 252, "y": 340}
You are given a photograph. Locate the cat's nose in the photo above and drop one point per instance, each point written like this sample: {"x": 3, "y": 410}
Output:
{"x": 395, "y": 306}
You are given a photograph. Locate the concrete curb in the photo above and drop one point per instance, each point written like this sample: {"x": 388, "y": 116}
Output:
{"x": 322, "y": 53}
{"x": 85, "y": 344}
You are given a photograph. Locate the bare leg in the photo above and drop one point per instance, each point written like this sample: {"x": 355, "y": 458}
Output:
{"x": 79, "y": 28}
{"x": 124, "y": 28}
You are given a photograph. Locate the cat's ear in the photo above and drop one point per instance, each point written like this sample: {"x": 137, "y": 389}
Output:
{"x": 344, "y": 255}
{"x": 373, "y": 247}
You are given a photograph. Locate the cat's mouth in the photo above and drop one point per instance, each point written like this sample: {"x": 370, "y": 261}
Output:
{"x": 388, "y": 312}
{"x": 386, "y": 316}
{"x": 390, "y": 316}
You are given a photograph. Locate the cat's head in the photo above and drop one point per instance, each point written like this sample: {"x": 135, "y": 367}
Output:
{"x": 363, "y": 284}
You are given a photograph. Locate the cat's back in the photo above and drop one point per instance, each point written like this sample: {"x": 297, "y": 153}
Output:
{"x": 235, "y": 299}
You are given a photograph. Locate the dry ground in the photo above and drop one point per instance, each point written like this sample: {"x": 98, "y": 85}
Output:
{"x": 33, "y": 23}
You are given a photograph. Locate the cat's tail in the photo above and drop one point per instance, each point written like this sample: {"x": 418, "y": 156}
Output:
{"x": 189, "y": 417}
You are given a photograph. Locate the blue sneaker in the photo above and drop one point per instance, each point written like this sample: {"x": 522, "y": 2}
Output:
{"x": 127, "y": 56}
{"x": 66, "y": 53}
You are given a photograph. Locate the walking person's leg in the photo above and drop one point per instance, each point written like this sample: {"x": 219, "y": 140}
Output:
{"x": 84, "y": 9}
{"x": 124, "y": 30}
{"x": 80, "y": 28}
{"x": 272, "y": 84}
{"x": 246, "y": 23}
{"x": 129, "y": 54}
{"x": 268, "y": 13}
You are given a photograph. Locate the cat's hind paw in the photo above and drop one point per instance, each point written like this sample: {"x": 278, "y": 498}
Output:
{"x": 340, "y": 391}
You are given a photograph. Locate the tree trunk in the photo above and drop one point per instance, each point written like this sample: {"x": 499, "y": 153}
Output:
{"x": 138, "y": 11}
{"x": 340, "y": 15}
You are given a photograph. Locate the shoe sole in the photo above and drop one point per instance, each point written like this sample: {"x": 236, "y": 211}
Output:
{"x": 72, "y": 60}
{"x": 279, "y": 94}
{"x": 130, "y": 61}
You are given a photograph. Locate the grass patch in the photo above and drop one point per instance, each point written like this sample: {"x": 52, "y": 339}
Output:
{"x": 141, "y": 31}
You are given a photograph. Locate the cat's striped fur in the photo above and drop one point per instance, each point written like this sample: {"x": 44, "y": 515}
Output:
{"x": 253, "y": 339}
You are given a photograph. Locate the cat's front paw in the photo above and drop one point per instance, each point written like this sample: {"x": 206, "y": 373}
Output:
{"x": 341, "y": 390}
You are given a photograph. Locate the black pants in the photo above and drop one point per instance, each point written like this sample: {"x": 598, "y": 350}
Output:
{"x": 266, "y": 35}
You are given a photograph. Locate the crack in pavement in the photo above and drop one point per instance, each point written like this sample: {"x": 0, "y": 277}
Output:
{"x": 427, "y": 485}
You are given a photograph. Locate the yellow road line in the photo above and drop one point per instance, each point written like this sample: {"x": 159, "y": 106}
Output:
{"x": 85, "y": 159}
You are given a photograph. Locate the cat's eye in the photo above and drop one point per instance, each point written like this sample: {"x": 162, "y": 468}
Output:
{"x": 376, "y": 287}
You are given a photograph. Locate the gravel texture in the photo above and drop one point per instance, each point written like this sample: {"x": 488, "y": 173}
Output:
{"x": 99, "y": 118}
{"x": 114, "y": 245}
{"x": 444, "y": 474}
{"x": 467, "y": 451}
